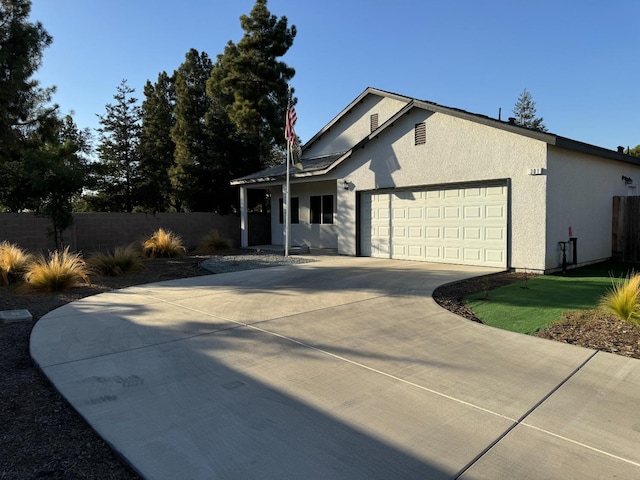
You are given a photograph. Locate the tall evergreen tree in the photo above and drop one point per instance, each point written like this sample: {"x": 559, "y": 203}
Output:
{"x": 157, "y": 148}
{"x": 57, "y": 172}
{"x": 118, "y": 153}
{"x": 24, "y": 105}
{"x": 525, "y": 112}
{"x": 252, "y": 83}
{"x": 190, "y": 174}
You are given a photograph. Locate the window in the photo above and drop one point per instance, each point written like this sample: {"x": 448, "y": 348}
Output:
{"x": 421, "y": 133}
{"x": 295, "y": 210}
{"x": 374, "y": 121}
{"x": 321, "y": 209}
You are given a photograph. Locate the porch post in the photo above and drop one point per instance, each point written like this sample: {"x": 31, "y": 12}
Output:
{"x": 244, "y": 218}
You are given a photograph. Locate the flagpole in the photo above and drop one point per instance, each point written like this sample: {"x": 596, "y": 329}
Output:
{"x": 287, "y": 220}
{"x": 287, "y": 197}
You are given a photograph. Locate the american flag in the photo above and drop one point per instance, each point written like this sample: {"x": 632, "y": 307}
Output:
{"x": 289, "y": 132}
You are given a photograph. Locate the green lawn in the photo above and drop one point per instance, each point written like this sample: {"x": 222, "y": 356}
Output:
{"x": 527, "y": 307}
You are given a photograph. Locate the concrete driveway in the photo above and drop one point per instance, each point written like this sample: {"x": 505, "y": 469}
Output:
{"x": 340, "y": 369}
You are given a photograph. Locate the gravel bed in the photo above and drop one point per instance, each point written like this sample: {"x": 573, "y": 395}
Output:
{"x": 235, "y": 263}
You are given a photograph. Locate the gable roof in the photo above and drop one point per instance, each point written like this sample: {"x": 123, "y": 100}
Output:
{"x": 317, "y": 166}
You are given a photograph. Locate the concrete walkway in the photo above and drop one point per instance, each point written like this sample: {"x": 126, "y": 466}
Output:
{"x": 340, "y": 369}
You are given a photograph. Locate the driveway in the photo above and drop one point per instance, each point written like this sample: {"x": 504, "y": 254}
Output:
{"x": 340, "y": 369}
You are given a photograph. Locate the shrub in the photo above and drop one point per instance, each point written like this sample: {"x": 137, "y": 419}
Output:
{"x": 623, "y": 298}
{"x": 118, "y": 262}
{"x": 163, "y": 243}
{"x": 13, "y": 262}
{"x": 213, "y": 242}
{"x": 60, "y": 271}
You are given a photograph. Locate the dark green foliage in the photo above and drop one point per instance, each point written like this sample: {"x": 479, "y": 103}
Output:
{"x": 251, "y": 84}
{"x": 57, "y": 173}
{"x": 193, "y": 157}
{"x": 525, "y": 112}
{"x": 119, "y": 177}
{"x": 157, "y": 148}
{"x": 22, "y": 101}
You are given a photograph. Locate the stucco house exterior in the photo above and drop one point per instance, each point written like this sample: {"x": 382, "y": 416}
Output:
{"x": 396, "y": 177}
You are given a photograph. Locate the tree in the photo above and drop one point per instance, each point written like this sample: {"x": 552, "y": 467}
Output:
{"x": 252, "y": 84}
{"x": 635, "y": 151}
{"x": 24, "y": 105}
{"x": 157, "y": 148}
{"x": 118, "y": 153}
{"x": 193, "y": 152}
{"x": 57, "y": 172}
{"x": 525, "y": 112}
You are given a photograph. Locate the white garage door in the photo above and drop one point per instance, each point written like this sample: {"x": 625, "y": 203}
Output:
{"x": 465, "y": 225}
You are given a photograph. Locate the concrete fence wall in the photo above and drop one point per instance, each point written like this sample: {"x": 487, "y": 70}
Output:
{"x": 103, "y": 231}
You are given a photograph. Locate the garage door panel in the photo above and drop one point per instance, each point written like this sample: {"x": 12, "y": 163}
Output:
{"x": 452, "y": 213}
{"x": 458, "y": 225}
{"x": 472, "y": 233}
{"x": 494, "y": 233}
{"x": 451, "y": 233}
{"x": 473, "y": 255}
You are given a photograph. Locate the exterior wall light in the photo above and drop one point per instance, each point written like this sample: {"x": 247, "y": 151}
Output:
{"x": 345, "y": 184}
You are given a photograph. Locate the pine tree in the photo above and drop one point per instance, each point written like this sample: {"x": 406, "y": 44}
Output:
{"x": 252, "y": 84}
{"x": 190, "y": 134}
{"x": 118, "y": 153}
{"x": 57, "y": 172}
{"x": 24, "y": 105}
{"x": 525, "y": 112}
{"x": 157, "y": 149}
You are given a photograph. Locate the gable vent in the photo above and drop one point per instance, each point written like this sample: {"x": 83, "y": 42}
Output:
{"x": 374, "y": 121}
{"x": 421, "y": 133}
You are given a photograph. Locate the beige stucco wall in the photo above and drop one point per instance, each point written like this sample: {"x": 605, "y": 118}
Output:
{"x": 354, "y": 126}
{"x": 457, "y": 151}
{"x": 579, "y": 195}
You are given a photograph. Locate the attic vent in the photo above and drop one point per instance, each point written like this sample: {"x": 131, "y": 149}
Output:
{"x": 421, "y": 133}
{"x": 374, "y": 121}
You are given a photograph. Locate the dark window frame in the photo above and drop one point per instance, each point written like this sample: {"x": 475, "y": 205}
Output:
{"x": 294, "y": 213}
{"x": 321, "y": 210}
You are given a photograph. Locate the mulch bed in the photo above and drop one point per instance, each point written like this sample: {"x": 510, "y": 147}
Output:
{"x": 43, "y": 437}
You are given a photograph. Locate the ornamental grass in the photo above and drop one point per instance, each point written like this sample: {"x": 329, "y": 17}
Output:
{"x": 623, "y": 298}
{"x": 13, "y": 262}
{"x": 122, "y": 260}
{"x": 163, "y": 243}
{"x": 213, "y": 242}
{"x": 59, "y": 271}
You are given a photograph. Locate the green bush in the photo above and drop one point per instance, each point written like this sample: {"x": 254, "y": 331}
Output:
{"x": 623, "y": 298}
{"x": 122, "y": 260}
{"x": 213, "y": 242}
{"x": 60, "y": 271}
{"x": 163, "y": 243}
{"x": 13, "y": 262}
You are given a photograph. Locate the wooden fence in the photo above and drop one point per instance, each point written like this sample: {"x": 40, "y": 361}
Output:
{"x": 625, "y": 240}
{"x": 103, "y": 231}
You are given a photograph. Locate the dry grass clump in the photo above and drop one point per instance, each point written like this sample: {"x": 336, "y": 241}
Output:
{"x": 60, "y": 271}
{"x": 163, "y": 243}
{"x": 623, "y": 299}
{"x": 122, "y": 260}
{"x": 213, "y": 242}
{"x": 13, "y": 262}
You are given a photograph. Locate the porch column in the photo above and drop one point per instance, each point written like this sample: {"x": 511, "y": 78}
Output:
{"x": 244, "y": 218}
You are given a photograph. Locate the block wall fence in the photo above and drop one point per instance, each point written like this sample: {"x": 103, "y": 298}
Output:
{"x": 92, "y": 232}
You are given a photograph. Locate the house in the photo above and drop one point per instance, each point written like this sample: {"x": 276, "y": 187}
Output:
{"x": 396, "y": 177}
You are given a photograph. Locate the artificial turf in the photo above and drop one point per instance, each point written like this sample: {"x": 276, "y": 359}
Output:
{"x": 533, "y": 305}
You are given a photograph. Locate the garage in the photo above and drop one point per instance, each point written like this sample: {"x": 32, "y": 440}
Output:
{"x": 464, "y": 225}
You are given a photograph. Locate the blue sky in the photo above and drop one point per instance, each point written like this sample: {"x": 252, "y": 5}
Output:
{"x": 577, "y": 58}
